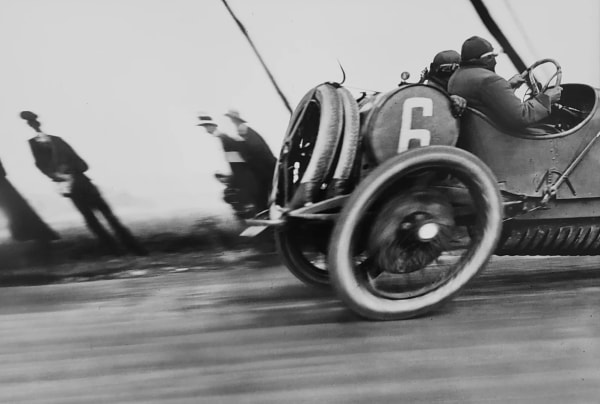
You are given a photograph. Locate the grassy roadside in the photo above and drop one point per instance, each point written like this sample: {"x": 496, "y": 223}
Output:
{"x": 175, "y": 244}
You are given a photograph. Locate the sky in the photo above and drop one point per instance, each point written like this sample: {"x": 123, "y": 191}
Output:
{"x": 124, "y": 80}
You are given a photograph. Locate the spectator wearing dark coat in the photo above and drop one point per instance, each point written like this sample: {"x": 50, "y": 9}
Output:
{"x": 23, "y": 222}
{"x": 245, "y": 189}
{"x": 57, "y": 160}
{"x": 257, "y": 154}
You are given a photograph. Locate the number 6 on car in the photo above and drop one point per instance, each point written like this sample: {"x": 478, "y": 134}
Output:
{"x": 423, "y": 115}
{"x": 407, "y": 133}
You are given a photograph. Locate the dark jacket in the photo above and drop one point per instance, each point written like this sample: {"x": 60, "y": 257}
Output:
{"x": 57, "y": 157}
{"x": 23, "y": 222}
{"x": 491, "y": 94}
{"x": 258, "y": 155}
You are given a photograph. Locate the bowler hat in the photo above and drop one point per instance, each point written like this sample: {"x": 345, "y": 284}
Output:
{"x": 234, "y": 114}
{"x": 28, "y": 115}
{"x": 205, "y": 119}
{"x": 476, "y": 47}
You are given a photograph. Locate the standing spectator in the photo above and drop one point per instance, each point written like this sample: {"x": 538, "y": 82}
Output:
{"x": 258, "y": 155}
{"x": 57, "y": 160}
{"x": 23, "y": 222}
{"x": 244, "y": 191}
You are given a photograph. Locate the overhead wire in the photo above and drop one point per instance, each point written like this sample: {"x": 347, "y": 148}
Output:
{"x": 262, "y": 62}
{"x": 517, "y": 20}
{"x": 544, "y": 69}
{"x": 497, "y": 33}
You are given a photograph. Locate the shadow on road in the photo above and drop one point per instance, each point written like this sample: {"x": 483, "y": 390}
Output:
{"x": 176, "y": 245}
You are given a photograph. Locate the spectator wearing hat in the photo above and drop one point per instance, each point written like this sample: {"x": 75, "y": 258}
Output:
{"x": 257, "y": 153}
{"x": 486, "y": 91}
{"x": 57, "y": 160}
{"x": 438, "y": 74}
{"x": 243, "y": 188}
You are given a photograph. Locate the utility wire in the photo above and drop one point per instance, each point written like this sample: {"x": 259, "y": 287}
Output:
{"x": 495, "y": 30}
{"x": 545, "y": 69}
{"x": 521, "y": 28}
{"x": 245, "y": 32}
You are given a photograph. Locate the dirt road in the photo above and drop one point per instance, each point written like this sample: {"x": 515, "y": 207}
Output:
{"x": 527, "y": 330}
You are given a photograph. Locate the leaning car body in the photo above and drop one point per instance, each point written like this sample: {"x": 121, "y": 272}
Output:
{"x": 413, "y": 173}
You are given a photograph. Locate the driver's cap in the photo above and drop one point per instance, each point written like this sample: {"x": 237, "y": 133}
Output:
{"x": 447, "y": 56}
{"x": 445, "y": 61}
{"x": 475, "y": 48}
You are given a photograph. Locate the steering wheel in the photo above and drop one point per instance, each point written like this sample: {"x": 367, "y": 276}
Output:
{"x": 535, "y": 87}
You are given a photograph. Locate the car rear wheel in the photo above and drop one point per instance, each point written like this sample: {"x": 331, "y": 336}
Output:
{"x": 315, "y": 163}
{"x": 303, "y": 250}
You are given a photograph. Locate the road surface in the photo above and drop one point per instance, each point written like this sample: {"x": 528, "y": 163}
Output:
{"x": 527, "y": 331}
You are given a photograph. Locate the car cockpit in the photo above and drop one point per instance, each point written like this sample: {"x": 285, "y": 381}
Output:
{"x": 576, "y": 104}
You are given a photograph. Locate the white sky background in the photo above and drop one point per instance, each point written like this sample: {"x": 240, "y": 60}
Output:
{"x": 122, "y": 80}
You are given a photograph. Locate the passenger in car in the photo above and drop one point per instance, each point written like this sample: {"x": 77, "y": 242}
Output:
{"x": 438, "y": 74}
{"x": 441, "y": 68}
{"x": 486, "y": 91}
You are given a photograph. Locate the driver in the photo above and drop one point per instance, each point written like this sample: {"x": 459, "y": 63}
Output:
{"x": 484, "y": 90}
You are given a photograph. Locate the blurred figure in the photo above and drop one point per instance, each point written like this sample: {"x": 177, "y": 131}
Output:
{"x": 258, "y": 155}
{"x": 57, "y": 160}
{"x": 245, "y": 190}
{"x": 23, "y": 222}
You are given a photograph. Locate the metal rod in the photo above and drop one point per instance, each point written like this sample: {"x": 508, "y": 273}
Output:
{"x": 573, "y": 164}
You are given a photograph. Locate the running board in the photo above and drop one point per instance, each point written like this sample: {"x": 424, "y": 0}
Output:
{"x": 313, "y": 211}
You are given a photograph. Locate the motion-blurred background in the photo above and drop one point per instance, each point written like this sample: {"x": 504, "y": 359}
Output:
{"x": 122, "y": 80}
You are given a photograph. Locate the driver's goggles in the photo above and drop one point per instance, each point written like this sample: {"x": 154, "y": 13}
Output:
{"x": 447, "y": 67}
{"x": 491, "y": 53}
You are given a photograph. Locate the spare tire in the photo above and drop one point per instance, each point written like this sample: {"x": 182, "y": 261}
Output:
{"x": 309, "y": 148}
{"x": 342, "y": 181}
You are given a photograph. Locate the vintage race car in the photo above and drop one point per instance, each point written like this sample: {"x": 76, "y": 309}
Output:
{"x": 398, "y": 204}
